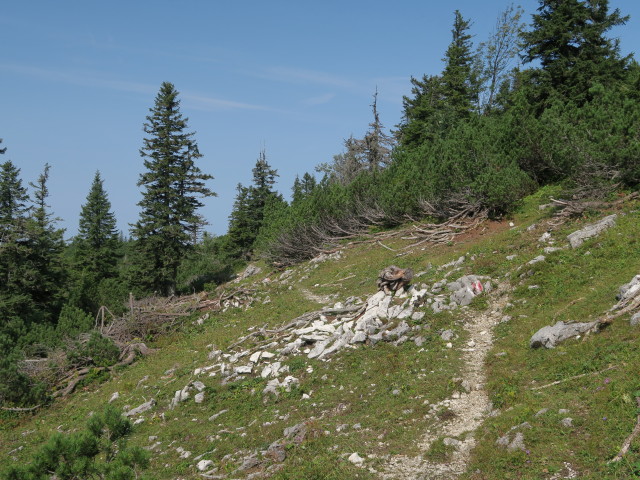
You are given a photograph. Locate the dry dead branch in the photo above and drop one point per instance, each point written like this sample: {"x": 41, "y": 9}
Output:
{"x": 568, "y": 209}
{"x": 20, "y": 409}
{"x": 558, "y": 382}
{"x": 627, "y": 443}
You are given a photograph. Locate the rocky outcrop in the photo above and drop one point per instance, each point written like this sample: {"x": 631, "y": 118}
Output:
{"x": 578, "y": 237}
{"x": 550, "y": 336}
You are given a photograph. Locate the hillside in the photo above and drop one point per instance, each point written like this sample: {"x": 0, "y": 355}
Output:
{"x": 312, "y": 374}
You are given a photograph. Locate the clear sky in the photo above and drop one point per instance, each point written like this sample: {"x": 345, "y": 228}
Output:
{"x": 295, "y": 77}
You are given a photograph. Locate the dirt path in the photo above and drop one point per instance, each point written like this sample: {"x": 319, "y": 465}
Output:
{"x": 470, "y": 407}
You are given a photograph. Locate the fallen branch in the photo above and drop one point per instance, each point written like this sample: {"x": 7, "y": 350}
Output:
{"x": 383, "y": 245}
{"x": 574, "y": 208}
{"x": 558, "y": 382}
{"x": 19, "y": 409}
{"x": 627, "y": 443}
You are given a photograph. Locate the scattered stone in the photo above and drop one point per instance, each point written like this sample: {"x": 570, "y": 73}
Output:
{"x": 545, "y": 237}
{"x": 276, "y": 452}
{"x": 183, "y": 453}
{"x": 517, "y": 443}
{"x": 249, "y": 272}
{"x": 395, "y": 392}
{"x": 249, "y": 462}
{"x": 538, "y": 259}
{"x": 550, "y": 336}
{"x": 511, "y": 257}
{"x": 216, "y": 415}
{"x": 635, "y": 320}
{"x": 512, "y": 445}
{"x": 243, "y": 370}
{"x": 629, "y": 290}
{"x": 541, "y": 412}
{"x": 578, "y": 237}
{"x": 419, "y": 341}
{"x": 356, "y": 459}
{"x": 116, "y": 395}
{"x": 397, "y": 332}
{"x": 567, "y": 422}
{"x": 198, "y": 385}
{"x": 548, "y": 250}
{"x": 273, "y": 386}
{"x": 199, "y": 397}
{"x": 297, "y": 433}
{"x": 180, "y": 396}
{"x": 447, "y": 335}
{"x": 141, "y": 408}
{"x": 451, "y": 442}
{"x": 204, "y": 465}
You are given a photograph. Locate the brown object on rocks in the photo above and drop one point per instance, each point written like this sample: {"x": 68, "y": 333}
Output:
{"x": 393, "y": 278}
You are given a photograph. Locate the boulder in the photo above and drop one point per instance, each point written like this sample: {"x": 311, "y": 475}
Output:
{"x": 204, "y": 465}
{"x": 141, "y": 408}
{"x": 578, "y": 237}
{"x": 465, "y": 289}
{"x": 629, "y": 290}
{"x": 550, "y": 336}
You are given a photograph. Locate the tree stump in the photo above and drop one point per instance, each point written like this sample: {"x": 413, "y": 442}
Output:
{"x": 392, "y": 278}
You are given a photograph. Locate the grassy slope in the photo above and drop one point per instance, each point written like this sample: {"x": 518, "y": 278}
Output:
{"x": 355, "y": 386}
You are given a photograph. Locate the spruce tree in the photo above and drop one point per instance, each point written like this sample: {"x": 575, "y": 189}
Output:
{"x": 438, "y": 102}
{"x": 568, "y": 39}
{"x": 173, "y": 186}
{"x": 13, "y": 198}
{"x": 303, "y": 188}
{"x": 97, "y": 240}
{"x": 247, "y": 215}
{"x": 47, "y": 272}
{"x": 460, "y": 77}
{"x": 240, "y": 235}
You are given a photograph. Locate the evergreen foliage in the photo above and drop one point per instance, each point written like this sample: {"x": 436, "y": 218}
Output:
{"x": 96, "y": 248}
{"x": 438, "y": 102}
{"x": 100, "y": 452}
{"x": 173, "y": 185}
{"x": 568, "y": 38}
{"x": 247, "y": 216}
{"x": 97, "y": 237}
{"x": 13, "y": 197}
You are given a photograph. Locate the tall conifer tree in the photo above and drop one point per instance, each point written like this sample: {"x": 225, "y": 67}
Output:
{"x": 568, "y": 38}
{"x": 249, "y": 208}
{"x": 173, "y": 186}
{"x": 97, "y": 240}
{"x": 440, "y": 101}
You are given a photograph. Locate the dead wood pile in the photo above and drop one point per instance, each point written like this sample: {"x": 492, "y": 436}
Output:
{"x": 146, "y": 318}
{"x": 568, "y": 209}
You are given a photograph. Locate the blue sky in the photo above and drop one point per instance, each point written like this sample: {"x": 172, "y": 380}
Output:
{"x": 294, "y": 77}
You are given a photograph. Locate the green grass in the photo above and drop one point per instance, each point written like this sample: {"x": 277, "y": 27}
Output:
{"x": 352, "y": 406}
